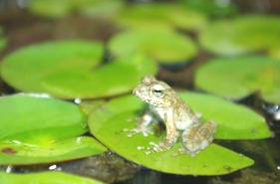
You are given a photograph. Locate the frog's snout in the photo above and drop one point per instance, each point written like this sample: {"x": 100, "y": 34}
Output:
{"x": 135, "y": 91}
{"x": 138, "y": 91}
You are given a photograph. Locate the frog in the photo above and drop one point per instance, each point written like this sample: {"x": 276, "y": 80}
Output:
{"x": 181, "y": 122}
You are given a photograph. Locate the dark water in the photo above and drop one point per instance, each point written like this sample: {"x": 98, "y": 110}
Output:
{"x": 23, "y": 29}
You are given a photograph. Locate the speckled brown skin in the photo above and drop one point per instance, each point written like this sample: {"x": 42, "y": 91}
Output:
{"x": 174, "y": 112}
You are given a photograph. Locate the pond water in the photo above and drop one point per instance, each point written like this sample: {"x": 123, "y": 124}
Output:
{"x": 23, "y": 27}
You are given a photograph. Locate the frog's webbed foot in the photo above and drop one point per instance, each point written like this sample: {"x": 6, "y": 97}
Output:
{"x": 142, "y": 125}
{"x": 169, "y": 141}
{"x": 198, "y": 137}
{"x": 144, "y": 130}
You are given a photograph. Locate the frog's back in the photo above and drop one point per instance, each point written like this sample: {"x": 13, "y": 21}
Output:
{"x": 185, "y": 117}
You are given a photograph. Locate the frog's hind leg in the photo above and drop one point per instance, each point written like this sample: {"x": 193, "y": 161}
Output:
{"x": 198, "y": 137}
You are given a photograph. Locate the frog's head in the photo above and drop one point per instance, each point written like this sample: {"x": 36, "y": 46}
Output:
{"x": 154, "y": 92}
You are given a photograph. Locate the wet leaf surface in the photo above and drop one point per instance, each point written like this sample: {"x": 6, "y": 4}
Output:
{"x": 109, "y": 122}
{"x": 162, "y": 45}
{"x": 239, "y": 77}
{"x": 73, "y": 69}
{"x": 45, "y": 178}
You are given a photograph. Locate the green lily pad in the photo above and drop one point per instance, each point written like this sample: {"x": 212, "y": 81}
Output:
{"x": 242, "y": 76}
{"x": 29, "y": 115}
{"x": 72, "y": 69}
{"x": 101, "y": 8}
{"x": 275, "y": 52}
{"x": 247, "y": 125}
{"x": 62, "y": 8}
{"x": 241, "y": 35}
{"x": 45, "y": 149}
{"x": 42, "y": 130}
{"x": 50, "y": 8}
{"x": 108, "y": 122}
{"x": 45, "y": 178}
{"x": 211, "y": 7}
{"x": 161, "y": 45}
{"x": 165, "y": 14}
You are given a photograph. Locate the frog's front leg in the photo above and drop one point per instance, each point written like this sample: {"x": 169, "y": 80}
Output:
{"x": 171, "y": 130}
{"x": 143, "y": 124}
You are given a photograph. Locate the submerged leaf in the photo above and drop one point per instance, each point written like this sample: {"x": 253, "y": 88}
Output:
{"x": 110, "y": 123}
{"x": 161, "y": 45}
{"x": 241, "y": 35}
{"x": 242, "y": 76}
{"x": 73, "y": 69}
{"x": 45, "y": 178}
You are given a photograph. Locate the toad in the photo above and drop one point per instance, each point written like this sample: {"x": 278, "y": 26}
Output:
{"x": 179, "y": 119}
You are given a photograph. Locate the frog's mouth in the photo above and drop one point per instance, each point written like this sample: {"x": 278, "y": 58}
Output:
{"x": 141, "y": 93}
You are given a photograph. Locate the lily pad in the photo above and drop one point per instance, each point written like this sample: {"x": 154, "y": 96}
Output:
{"x": 41, "y": 130}
{"x": 73, "y": 69}
{"x": 162, "y": 45}
{"x": 211, "y": 7}
{"x": 101, "y": 8}
{"x": 109, "y": 122}
{"x": 165, "y": 14}
{"x": 62, "y": 8}
{"x": 241, "y": 35}
{"x": 45, "y": 149}
{"x": 275, "y": 52}
{"x": 29, "y": 115}
{"x": 242, "y": 76}
{"x": 247, "y": 125}
{"x": 51, "y": 8}
{"x": 45, "y": 178}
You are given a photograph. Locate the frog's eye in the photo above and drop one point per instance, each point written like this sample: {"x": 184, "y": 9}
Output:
{"x": 157, "y": 92}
